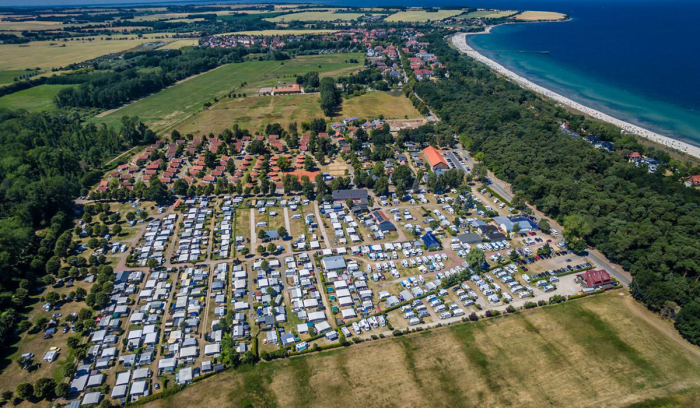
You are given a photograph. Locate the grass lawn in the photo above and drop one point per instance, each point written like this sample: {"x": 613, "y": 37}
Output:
{"x": 393, "y": 105}
{"x": 598, "y": 351}
{"x": 414, "y": 16}
{"x": 175, "y": 45}
{"x": 327, "y": 15}
{"x": 490, "y": 14}
{"x": 539, "y": 15}
{"x": 178, "y": 102}
{"x": 38, "y": 98}
{"x": 8, "y": 77}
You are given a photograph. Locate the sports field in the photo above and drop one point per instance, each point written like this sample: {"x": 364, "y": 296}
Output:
{"x": 539, "y": 16}
{"x": 490, "y": 14}
{"x": 599, "y": 351}
{"x": 174, "y": 104}
{"x": 416, "y": 16}
{"x": 49, "y": 54}
{"x": 38, "y": 98}
{"x": 316, "y": 16}
{"x": 370, "y": 105}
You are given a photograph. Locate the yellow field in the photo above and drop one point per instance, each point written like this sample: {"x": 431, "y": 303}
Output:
{"x": 34, "y": 25}
{"x": 416, "y": 16}
{"x": 49, "y": 54}
{"x": 371, "y": 105}
{"x": 490, "y": 14}
{"x": 599, "y": 351}
{"x": 267, "y": 33}
{"x": 539, "y": 16}
{"x": 315, "y": 16}
{"x": 186, "y": 42}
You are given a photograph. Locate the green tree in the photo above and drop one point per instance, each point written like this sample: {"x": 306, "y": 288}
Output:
{"x": 24, "y": 391}
{"x": 543, "y": 225}
{"x": 282, "y": 232}
{"x": 44, "y": 388}
{"x": 475, "y": 259}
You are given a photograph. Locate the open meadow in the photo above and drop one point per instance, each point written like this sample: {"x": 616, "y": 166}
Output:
{"x": 328, "y": 15}
{"x": 605, "y": 350}
{"x": 539, "y": 16}
{"x": 179, "y": 102}
{"x": 38, "y": 98}
{"x": 254, "y": 113}
{"x": 392, "y": 105}
{"x": 417, "y": 16}
{"x": 8, "y": 77}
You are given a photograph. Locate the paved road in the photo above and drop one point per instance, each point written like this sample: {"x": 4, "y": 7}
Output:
{"x": 599, "y": 259}
{"x": 500, "y": 187}
{"x": 319, "y": 220}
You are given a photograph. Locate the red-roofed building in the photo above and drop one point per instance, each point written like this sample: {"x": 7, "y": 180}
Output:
{"x": 595, "y": 279}
{"x": 435, "y": 158}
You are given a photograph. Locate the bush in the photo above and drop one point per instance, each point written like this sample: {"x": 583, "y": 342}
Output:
{"x": 397, "y": 333}
{"x": 557, "y": 299}
{"x": 541, "y": 303}
{"x": 530, "y": 305}
{"x": 511, "y": 309}
{"x": 473, "y": 317}
{"x": 25, "y": 390}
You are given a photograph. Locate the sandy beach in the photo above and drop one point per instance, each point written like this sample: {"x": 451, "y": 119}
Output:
{"x": 460, "y": 41}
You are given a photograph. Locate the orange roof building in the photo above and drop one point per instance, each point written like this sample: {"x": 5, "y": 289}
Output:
{"x": 435, "y": 158}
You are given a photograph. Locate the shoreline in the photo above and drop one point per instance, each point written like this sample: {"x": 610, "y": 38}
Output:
{"x": 459, "y": 40}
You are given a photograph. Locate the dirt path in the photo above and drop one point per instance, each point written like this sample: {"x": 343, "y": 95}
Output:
{"x": 659, "y": 324}
{"x": 321, "y": 227}
{"x": 253, "y": 235}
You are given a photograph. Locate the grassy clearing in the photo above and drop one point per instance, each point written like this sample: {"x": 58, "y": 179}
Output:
{"x": 418, "y": 16}
{"x": 393, "y": 105}
{"x": 181, "y": 101}
{"x": 597, "y": 351}
{"x": 38, "y": 98}
{"x": 539, "y": 16}
{"x": 490, "y": 14}
{"x": 176, "y": 45}
{"x": 253, "y": 113}
{"x": 328, "y": 15}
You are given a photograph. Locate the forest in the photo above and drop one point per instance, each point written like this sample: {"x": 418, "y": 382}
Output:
{"x": 47, "y": 160}
{"x": 648, "y": 223}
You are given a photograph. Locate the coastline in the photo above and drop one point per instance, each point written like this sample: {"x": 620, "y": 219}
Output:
{"x": 459, "y": 40}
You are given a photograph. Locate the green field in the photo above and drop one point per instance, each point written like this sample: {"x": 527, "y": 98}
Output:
{"x": 316, "y": 16}
{"x": 8, "y": 77}
{"x": 490, "y": 14}
{"x": 38, "y": 98}
{"x": 599, "y": 351}
{"x": 177, "y": 103}
{"x": 393, "y": 105}
{"x": 418, "y": 16}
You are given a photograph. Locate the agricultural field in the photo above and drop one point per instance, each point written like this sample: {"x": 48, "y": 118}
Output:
{"x": 38, "y": 98}
{"x": 393, "y": 105}
{"x": 598, "y": 351}
{"x": 179, "y": 102}
{"x": 269, "y": 33}
{"x": 176, "y": 45}
{"x": 539, "y": 16}
{"x": 327, "y": 15}
{"x": 49, "y": 54}
{"x": 253, "y": 113}
{"x": 419, "y": 16}
{"x": 8, "y": 77}
{"x": 490, "y": 14}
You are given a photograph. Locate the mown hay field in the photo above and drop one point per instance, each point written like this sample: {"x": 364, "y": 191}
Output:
{"x": 416, "y": 16}
{"x": 329, "y": 15}
{"x": 539, "y": 16}
{"x": 605, "y": 350}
